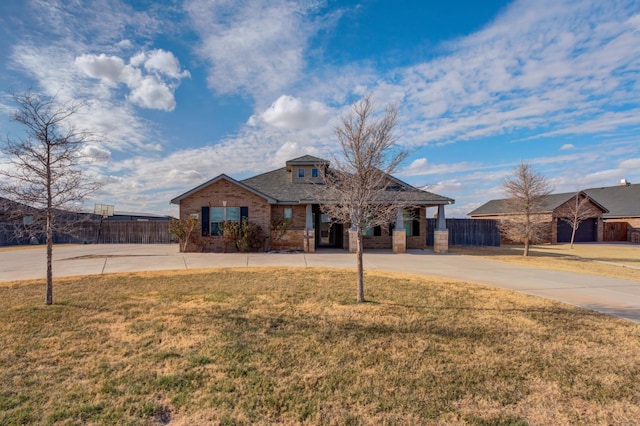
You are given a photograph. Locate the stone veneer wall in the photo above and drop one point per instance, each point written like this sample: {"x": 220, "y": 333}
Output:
{"x": 385, "y": 241}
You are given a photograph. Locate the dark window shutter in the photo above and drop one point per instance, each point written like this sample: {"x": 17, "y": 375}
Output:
{"x": 416, "y": 223}
{"x": 205, "y": 221}
{"x": 377, "y": 231}
{"x": 244, "y": 212}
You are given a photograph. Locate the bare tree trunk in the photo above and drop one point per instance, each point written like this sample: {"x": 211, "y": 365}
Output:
{"x": 49, "y": 297}
{"x": 526, "y": 248}
{"x": 573, "y": 237}
{"x": 360, "y": 269}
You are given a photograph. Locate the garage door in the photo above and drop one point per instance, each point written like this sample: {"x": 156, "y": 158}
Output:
{"x": 586, "y": 232}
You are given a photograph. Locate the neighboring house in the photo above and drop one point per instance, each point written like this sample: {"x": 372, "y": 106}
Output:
{"x": 553, "y": 209}
{"x": 138, "y": 217}
{"x": 622, "y": 221}
{"x": 616, "y": 214}
{"x": 294, "y": 192}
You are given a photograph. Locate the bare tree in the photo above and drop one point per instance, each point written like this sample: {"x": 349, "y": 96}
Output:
{"x": 356, "y": 186}
{"x": 525, "y": 192}
{"x": 576, "y": 211}
{"x": 45, "y": 171}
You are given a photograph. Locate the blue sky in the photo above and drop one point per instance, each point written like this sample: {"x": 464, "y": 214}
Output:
{"x": 181, "y": 91}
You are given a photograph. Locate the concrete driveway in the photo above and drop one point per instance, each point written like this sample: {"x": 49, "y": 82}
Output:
{"x": 608, "y": 295}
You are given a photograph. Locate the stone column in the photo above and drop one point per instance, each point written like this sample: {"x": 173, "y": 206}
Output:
{"x": 399, "y": 238}
{"x": 441, "y": 233}
{"x": 309, "y": 241}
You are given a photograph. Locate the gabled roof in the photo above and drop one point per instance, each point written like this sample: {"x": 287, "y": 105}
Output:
{"x": 277, "y": 187}
{"x": 216, "y": 179}
{"x": 307, "y": 159}
{"x": 549, "y": 204}
{"x": 620, "y": 200}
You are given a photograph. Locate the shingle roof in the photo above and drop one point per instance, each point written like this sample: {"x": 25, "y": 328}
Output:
{"x": 277, "y": 187}
{"x": 621, "y": 200}
{"x": 615, "y": 201}
{"x": 216, "y": 179}
{"x": 277, "y": 184}
{"x": 307, "y": 159}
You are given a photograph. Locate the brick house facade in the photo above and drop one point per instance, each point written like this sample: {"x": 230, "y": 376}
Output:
{"x": 613, "y": 208}
{"x": 294, "y": 193}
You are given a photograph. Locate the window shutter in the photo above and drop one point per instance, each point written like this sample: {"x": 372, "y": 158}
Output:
{"x": 244, "y": 212}
{"x": 377, "y": 231}
{"x": 205, "y": 221}
{"x": 416, "y": 223}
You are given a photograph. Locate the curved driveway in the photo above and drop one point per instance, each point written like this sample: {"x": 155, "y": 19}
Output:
{"x": 608, "y": 295}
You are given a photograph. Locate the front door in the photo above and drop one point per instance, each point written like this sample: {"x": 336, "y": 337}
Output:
{"x": 328, "y": 234}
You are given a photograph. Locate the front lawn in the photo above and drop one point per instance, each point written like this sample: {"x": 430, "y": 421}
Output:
{"x": 290, "y": 346}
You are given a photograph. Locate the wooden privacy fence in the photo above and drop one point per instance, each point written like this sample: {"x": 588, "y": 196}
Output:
{"x": 615, "y": 231}
{"x": 468, "y": 232}
{"x": 134, "y": 232}
{"x": 107, "y": 232}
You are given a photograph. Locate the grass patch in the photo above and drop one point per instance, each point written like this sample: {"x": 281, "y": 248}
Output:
{"x": 289, "y": 346}
{"x": 609, "y": 260}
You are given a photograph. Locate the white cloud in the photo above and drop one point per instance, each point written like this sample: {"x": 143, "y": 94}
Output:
{"x": 567, "y": 146}
{"x": 96, "y": 154}
{"x": 151, "y": 92}
{"x": 108, "y": 68}
{"x": 421, "y": 167}
{"x": 163, "y": 62}
{"x": 147, "y": 91}
{"x": 631, "y": 163}
{"x": 254, "y": 46}
{"x": 290, "y": 112}
{"x": 541, "y": 65}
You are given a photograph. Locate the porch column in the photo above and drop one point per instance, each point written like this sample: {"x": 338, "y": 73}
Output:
{"x": 309, "y": 236}
{"x": 441, "y": 233}
{"x": 399, "y": 238}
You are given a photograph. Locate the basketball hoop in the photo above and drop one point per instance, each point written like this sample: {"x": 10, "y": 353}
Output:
{"x": 104, "y": 210}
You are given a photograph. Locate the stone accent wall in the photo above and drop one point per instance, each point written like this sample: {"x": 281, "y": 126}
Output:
{"x": 441, "y": 241}
{"x": 399, "y": 241}
{"x": 212, "y": 196}
{"x": 385, "y": 241}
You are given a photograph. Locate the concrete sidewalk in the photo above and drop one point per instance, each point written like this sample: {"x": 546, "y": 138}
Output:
{"x": 608, "y": 295}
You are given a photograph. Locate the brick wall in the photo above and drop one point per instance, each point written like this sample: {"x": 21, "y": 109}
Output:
{"x": 294, "y": 237}
{"x": 213, "y": 196}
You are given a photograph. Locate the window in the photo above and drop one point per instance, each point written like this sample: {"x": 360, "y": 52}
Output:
{"x": 288, "y": 213}
{"x": 376, "y": 231}
{"x": 220, "y": 215}
{"x": 314, "y": 173}
{"x": 411, "y": 219}
{"x": 300, "y": 172}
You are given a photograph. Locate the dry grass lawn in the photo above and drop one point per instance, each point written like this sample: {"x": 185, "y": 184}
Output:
{"x": 611, "y": 260}
{"x": 289, "y": 346}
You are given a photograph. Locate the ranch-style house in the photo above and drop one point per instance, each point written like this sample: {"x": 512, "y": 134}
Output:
{"x": 294, "y": 192}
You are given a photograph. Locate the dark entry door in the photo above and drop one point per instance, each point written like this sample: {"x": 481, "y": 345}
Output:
{"x": 328, "y": 235}
{"x": 586, "y": 232}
